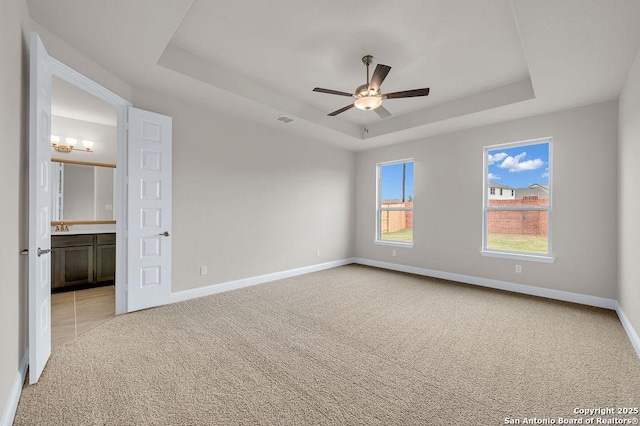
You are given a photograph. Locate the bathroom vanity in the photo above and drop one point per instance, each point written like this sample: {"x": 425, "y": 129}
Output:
{"x": 83, "y": 239}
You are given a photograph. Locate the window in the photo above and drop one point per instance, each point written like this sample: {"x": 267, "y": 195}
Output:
{"x": 519, "y": 225}
{"x": 500, "y": 191}
{"x": 493, "y": 191}
{"x": 394, "y": 223}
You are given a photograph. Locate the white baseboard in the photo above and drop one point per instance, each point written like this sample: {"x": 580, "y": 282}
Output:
{"x": 16, "y": 390}
{"x": 180, "y": 296}
{"x": 583, "y": 299}
{"x": 631, "y": 332}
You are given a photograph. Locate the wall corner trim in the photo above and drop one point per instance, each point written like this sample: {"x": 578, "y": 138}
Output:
{"x": 180, "y": 296}
{"x": 16, "y": 389}
{"x": 631, "y": 332}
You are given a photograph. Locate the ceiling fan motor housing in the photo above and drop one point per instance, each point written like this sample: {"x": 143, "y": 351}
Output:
{"x": 369, "y": 96}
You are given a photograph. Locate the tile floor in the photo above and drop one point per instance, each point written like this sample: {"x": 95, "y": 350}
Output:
{"x": 76, "y": 312}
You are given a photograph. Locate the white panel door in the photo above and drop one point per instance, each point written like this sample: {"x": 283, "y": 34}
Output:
{"x": 149, "y": 209}
{"x": 39, "y": 209}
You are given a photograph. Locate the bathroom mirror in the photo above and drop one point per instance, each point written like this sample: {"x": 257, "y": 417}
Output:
{"x": 82, "y": 192}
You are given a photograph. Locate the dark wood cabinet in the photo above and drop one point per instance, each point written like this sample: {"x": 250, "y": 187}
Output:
{"x": 82, "y": 259}
{"x": 105, "y": 257}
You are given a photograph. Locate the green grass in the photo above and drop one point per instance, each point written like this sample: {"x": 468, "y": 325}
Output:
{"x": 405, "y": 235}
{"x": 516, "y": 242}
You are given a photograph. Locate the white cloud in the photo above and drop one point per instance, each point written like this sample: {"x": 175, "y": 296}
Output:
{"x": 495, "y": 157}
{"x": 546, "y": 173}
{"x": 515, "y": 164}
{"x": 491, "y": 176}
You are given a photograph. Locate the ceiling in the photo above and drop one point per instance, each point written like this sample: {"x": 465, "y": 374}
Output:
{"x": 485, "y": 61}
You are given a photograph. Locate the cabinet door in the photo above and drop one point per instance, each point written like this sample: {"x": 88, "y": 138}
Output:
{"x": 105, "y": 262}
{"x": 77, "y": 265}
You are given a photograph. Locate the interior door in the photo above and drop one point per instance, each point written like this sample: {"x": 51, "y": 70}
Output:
{"x": 39, "y": 209}
{"x": 149, "y": 209}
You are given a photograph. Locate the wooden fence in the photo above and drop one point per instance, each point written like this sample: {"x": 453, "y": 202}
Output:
{"x": 398, "y": 220}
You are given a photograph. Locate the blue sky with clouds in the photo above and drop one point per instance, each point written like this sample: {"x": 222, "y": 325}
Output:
{"x": 519, "y": 167}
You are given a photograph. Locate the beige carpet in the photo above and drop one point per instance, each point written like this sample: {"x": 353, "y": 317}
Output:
{"x": 351, "y": 345}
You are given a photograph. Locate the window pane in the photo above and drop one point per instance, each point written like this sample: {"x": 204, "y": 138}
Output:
{"x": 396, "y": 183}
{"x": 518, "y": 230}
{"x": 518, "y": 177}
{"x": 397, "y": 225}
{"x": 518, "y": 172}
{"x": 396, "y": 192}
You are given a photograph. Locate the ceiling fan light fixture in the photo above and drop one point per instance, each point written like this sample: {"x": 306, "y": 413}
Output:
{"x": 368, "y": 103}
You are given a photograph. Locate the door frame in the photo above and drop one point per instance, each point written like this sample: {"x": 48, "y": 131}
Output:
{"x": 64, "y": 72}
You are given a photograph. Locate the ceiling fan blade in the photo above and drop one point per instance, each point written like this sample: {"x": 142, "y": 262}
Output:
{"x": 378, "y": 76}
{"x": 341, "y": 110}
{"x": 382, "y": 112}
{"x": 407, "y": 94}
{"x": 332, "y": 92}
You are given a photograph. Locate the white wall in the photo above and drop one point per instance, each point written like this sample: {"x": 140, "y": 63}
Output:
{"x": 13, "y": 122}
{"x": 507, "y": 194}
{"x": 15, "y": 26}
{"x": 78, "y": 194}
{"x": 250, "y": 200}
{"x": 448, "y": 201}
{"x": 629, "y": 197}
{"x": 103, "y": 192}
{"x": 105, "y": 139}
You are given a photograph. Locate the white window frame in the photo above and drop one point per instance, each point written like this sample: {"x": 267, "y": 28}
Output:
{"x": 380, "y": 209}
{"x": 517, "y": 255}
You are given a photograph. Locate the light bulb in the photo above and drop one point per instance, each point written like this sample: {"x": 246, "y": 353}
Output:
{"x": 88, "y": 145}
{"x": 368, "y": 103}
{"x": 71, "y": 142}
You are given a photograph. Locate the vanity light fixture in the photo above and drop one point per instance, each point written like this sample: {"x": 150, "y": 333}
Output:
{"x": 70, "y": 145}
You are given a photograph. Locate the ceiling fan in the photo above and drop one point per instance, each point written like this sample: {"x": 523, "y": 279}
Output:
{"x": 368, "y": 96}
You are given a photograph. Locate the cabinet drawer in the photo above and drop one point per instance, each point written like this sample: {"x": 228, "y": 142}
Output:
{"x": 58, "y": 241}
{"x": 105, "y": 239}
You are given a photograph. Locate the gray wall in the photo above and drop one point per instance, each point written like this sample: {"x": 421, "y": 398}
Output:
{"x": 629, "y": 207}
{"x": 13, "y": 121}
{"x": 250, "y": 200}
{"x": 448, "y": 201}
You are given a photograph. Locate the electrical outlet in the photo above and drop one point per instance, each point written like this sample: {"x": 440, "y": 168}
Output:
{"x": 518, "y": 269}
{"x": 393, "y": 252}
{"x": 317, "y": 253}
{"x": 203, "y": 270}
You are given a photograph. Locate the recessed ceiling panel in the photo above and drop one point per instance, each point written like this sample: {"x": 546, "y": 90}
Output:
{"x": 455, "y": 48}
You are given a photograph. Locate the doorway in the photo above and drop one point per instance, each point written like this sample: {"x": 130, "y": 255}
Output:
{"x": 83, "y": 226}
{"x": 141, "y": 210}
{"x": 107, "y": 108}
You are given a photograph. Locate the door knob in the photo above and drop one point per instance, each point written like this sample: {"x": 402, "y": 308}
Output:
{"x": 41, "y": 252}
{"x": 165, "y": 234}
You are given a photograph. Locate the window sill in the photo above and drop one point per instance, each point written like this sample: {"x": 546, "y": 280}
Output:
{"x": 518, "y": 256}
{"x": 393, "y": 243}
